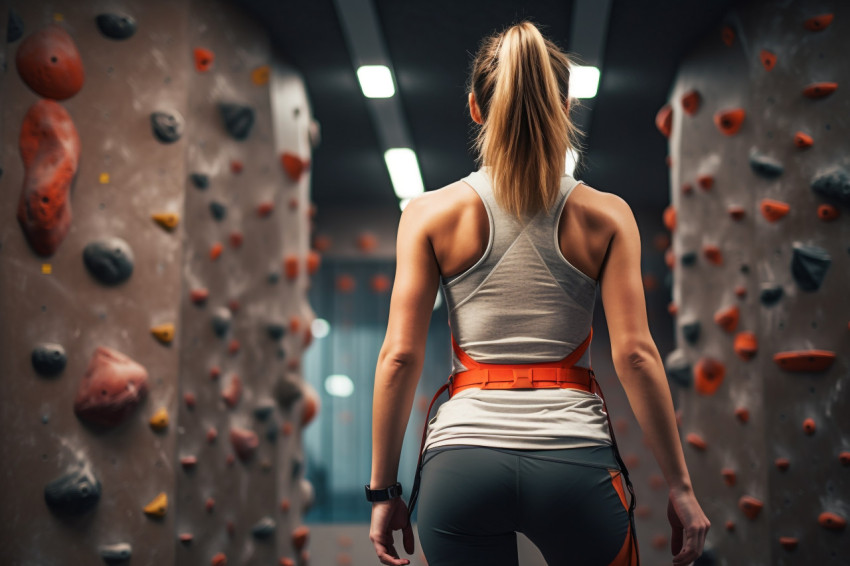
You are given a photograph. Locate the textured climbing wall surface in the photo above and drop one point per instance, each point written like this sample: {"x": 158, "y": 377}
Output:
{"x": 760, "y": 187}
{"x": 153, "y": 402}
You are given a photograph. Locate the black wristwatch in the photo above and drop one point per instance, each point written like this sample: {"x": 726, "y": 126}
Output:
{"x": 385, "y": 494}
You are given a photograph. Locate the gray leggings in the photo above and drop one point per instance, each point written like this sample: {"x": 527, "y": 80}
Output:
{"x": 570, "y": 503}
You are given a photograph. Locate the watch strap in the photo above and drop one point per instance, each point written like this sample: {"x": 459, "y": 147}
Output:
{"x": 393, "y": 491}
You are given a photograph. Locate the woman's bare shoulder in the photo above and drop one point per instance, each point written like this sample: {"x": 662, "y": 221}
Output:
{"x": 442, "y": 205}
{"x": 599, "y": 209}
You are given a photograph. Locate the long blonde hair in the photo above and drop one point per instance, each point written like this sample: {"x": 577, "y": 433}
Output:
{"x": 521, "y": 84}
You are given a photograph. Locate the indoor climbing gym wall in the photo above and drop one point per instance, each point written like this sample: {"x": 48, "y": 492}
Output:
{"x": 155, "y": 263}
{"x": 758, "y": 122}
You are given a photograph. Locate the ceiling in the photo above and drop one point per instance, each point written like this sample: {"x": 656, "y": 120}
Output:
{"x": 430, "y": 44}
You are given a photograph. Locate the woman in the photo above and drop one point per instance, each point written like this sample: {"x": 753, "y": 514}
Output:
{"x": 520, "y": 249}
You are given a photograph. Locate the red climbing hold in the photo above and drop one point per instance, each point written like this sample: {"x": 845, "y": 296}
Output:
{"x": 236, "y": 166}
{"x": 737, "y": 212}
{"x": 287, "y": 562}
{"x": 729, "y": 121}
{"x": 189, "y": 399}
{"x": 265, "y": 208}
{"x": 212, "y": 434}
{"x": 730, "y": 525}
{"x": 322, "y": 243}
{"x": 380, "y": 283}
{"x": 188, "y": 462}
{"x": 294, "y": 324}
{"x": 803, "y": 141}
{"x": 750, "y": 506}
{"x": 313, "y": 261}
{"x": 713, "y": 254}
{"x": 113, "y": 386}
{"x": 709, "y": 374}
{"x": 215, "y": 371}
{"x": 203, "y": 59}
{"x": 215, "y": 250}
{"x": 844, "y": 458}
{"x": 285, "y": 505}
{"x": 832, "y": 521}
{"x": 782, "y": 464}
{"x": 768, "y": 59}
{"x": 659, "y": 541}
{"x": 200, "y": 295}
{"x": 219, "y": 559}
{"x": 727, "y": 319}
{"x": 50, "y": 150}
{"x": 729, "y": 476}
{"x": 233, "y": 392}
{"x": 743, "y": 414}
{"x": 673, "y": 309}
{"x": 286, "y": 428}
{"x": 233, "y": 346}
{"x": 740, "y": 291}
{"x": 746, "y": 345}
{"x": 244, "y": 442}
{"x": 664, "y": 120}
{"x": 809, "y": 426}
{"x": 727, "y": 34}
{"x": 300, "y": 536}
{"x": 49, "y": 63}
{"x": 788, "y": 543}
{"x": 669, "y": 218}
{"x": 805, "y": 360}
{"x": 819, "y": 90}
{"x": 773, "y": 210}
{"x": 818, "y": 23}
{"x": 670, "y": 258}
{"x": 294, "y": 165}
{"x": 691, "y": 102}
{"x": 828, "y": 213}
{"x": 186, "y": 537}
{"x": 687, "y": 188}
{"x": 705, "y": 182}
{"x": 367, "y": 242}
{"x": 345, "y": 283}
{"x": 290, "y": 266}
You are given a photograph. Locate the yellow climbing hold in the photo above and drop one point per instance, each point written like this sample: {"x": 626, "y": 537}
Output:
{"x": 158, "y": 506}
{"x": 260, "y": 75}
{"x": 46, "y": 268}
{"x": 167, "y": 220}
{"x": 57, "y": 17}
{"x": 159, "y": 420}
{"x": 104, "y": 178}
{"x": 164, "y": 332}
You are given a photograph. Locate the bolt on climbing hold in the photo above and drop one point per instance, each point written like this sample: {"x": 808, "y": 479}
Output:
{"x": 820, "y": 90}
{"x": 729, "y": 121}
{"x": 664, "y": 120}
{"x": 159, "y": 420}
{"x": 818, "y": 23}
{"x": 750, "y": 506}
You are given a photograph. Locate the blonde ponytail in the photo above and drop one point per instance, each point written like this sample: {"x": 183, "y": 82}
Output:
{"x": 521, "y": 81}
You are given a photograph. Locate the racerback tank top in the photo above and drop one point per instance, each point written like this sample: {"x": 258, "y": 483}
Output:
{"x": 521, "y": 302}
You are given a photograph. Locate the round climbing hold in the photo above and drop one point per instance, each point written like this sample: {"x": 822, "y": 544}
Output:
{"x": 204, "y": 59}
{"x": 705, "y": 182}
{"x": 50, "y": 64}
{"x": 117, "y": 27}
{"x": 737, "y": 212}
{"x": 236, "y": 166}
{"x": 773, "y": 210}
{"x": 768, "y": 59}
{"x": 200, "y": 295}
{"x": 727, "y": 35}
{"x": 709, "y": 374}
{"x": 218, "y": 210}
{"x": 691, "y": 102}
{"x": 212, "y": 434}
{"x": 818, "y": 23}
{"x": 691, "y": 331}
{"x": 74, "y": 493}
{"x": 110, "y": 260}
{"x": 742, "y": 414}
{"x": 167, "y": 220}
{"x": 220, "y": 559}
{"x": 159, "y": 420}
{"x": 828, "y": 213}
{"x": 244, "y": 442}
{"x": 164, "y": 332}
{"x": 746, "y": 345}
{"x": 832, "y": 521}
{"x": 820, "y": 90}
{"x": 729, "y": 121}
{"x": 806, "y": 361}
{"x": 687, "y": 188}
{"x": 809, "y": 426}
{"x": 112, "y": 387}
{"x": 673, "y": 309}
{"x": 366, "y": 242}
{"x": 48, "y": 360}
{"x": 189, "y": 400}
{"x": 782, "y": 464}
{"x": 750, "y": 506}
{"x": 713, "y": 254}
{"x": 740, "y": 291}
{"x": 803, "y": 140}
{"x": 233, "y": 346}
{"x": 728, "y": 318}
{"x": 669, "y": 218}
{"x": 158, "y": 506}
{"x": 729, "y": 476}
{"x": 788, "y": 543}
{"x": 664, "y": 120}
{"x": 167, "y": 127}
{"x": 221, "y": 319}
{"x": 730, "y": 525}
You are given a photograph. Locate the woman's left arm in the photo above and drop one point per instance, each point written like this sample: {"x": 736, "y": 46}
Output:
{"x": 399, "y": 367}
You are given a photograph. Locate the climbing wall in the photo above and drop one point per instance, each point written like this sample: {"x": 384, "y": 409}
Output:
{"x": 759, "y": 126}
{"x": 155, "y": 186}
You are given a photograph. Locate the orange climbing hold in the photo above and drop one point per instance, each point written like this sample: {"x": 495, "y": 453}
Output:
{"x": 773, "y": 210}
{"x": 287, "y": 562}
{"x": 818, "y": 23}
{"x": 727, "y": 35}
{"x": 743, "y": 414}
{"x": 290, "y": 265}
{"x": 265, "y": 208}
{"x": 49, "y": 63}
{"x": 844, "y": 458}
{"x": 802, "y": 140}
{"x": 300, "y": 536}
{"x": 820, "y": 90}
{"x": 673, "y": 309}
{"x": 788, "y": 543}
{"x": 219, "y": 559}
{"x": 729, "y": 121}
{"x": 380, "y": 283}
{"x": 809, "y": 426}
{"x": 345, "y": 283}
{"x": 659, "y": 542}
{"x": 199, "y": 296}
{"x": 167, "y": 220}
{"x": 729, "y": 476}
{"x": 828, "y": 212}
{"x": 670, "y": 218}
{"x": 746, "y": 345}
{"x": 233, "y": 346}
{"x": 727, "y": 319}
{"x": 215, "y": 251}
{"x": 705, "y": 182}
{"x": 691, "y": 102}
{"x": 737, "y": 212}
{"x": 664, "y": 120}
{"x": 713, "y": 254}
{"x": 203, "y": 59}
{"x": 158, "y": 506}
{"x": 163, "y": 332}
{"x": 832, "y": 521}
{"x": 709, "y": 374}
{"x": 740, "y": 291}
{"x": 768, "y": 59}
{"x": 367, "y": 242}
{"x": 314, "y": 260}
{"x": 750, "y": 506}
{"x": 294, "y": 165}
{"x": 805, "y": 360}
{"x": 782, "y": 464}
{"x": 260, "y": 75}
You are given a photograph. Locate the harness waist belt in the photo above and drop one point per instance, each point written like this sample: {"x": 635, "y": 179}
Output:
{"x": 517, "y": 377}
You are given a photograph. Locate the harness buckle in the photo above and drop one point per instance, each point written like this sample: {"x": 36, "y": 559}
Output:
{"x": 522, "y": 379}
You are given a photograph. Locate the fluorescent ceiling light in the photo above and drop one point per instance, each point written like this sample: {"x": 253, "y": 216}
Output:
{"x": 376, "y": 81}
{"x": 320, "y": 328}
{"x": 572, "y": 160}
{"x": 584, "y": 81}
{"x": 339, "y": 385}
{"x": 404, "y": 172}
{"x": 402, "y": 204}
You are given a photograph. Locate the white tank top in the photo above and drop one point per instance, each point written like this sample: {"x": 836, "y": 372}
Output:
{"x": 522, "y": 302}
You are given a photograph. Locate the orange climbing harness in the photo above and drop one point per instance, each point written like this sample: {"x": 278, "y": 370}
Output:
{"x": 546, "y": 375}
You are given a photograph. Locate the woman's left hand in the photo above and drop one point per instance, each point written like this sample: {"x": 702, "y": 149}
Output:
{"x": 389, "y": 516}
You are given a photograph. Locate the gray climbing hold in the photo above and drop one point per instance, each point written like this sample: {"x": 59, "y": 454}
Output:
{"x": 238, "y": 119}
{"x": 707, "y": 558}
{"x": 764, "y": 166}
{"x": 14, "y": 27}
{"x": 218, "y": 210}
{"x": 679, "y": 368}
{"x": 74, "y": 493}
{"x": 688, "y": 259}
{"x": 275, "y": 330}
{"x": 271, "y": 432}
{"x": 690, "y": 331}
{"x": 809, "y": 266}
{"x": 287, "y": 392}
{"x": 114, "y": 26}
{"x": 49, "y": 359}
{"x": 263, "y": 409}
{"x": 264, "y": 528}
{"x": 116, "y": 553}
{"x": 110, "y": 260}
{"x": 297, "y": 466}
{"x": 833, "y": 184}
{"x": 167, "y": 127}
{"x": 770, "y": 294}
{"x": 221, "y": 321}
{"x": 273, "y": 277}
{"x": 200, "y": 180}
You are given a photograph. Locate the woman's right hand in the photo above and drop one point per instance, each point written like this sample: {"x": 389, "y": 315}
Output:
{"x": 690, "y": 525}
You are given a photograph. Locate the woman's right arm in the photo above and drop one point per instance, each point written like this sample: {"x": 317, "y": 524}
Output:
{"x": 641, "y": 372}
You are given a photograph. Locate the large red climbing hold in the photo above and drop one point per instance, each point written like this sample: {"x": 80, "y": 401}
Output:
{"x": 803, "y": 140}
{"x": 773, "y": 210}
{"x": 767, "y": 59}
{"x": 727, "y": 35}
{"x": 690, "y": 102}
{"x": 203, "y": 59}
{"x": 670, "y": 218}
{"x": 818, "y": 23}
{"x": 708, "y": 375}
{"x": 729, "y": 121}
{"x": 48, "y": 61}
{"x": 727, "y": 319}
{"x": 819, "y": 90}
{"x": 832, "y": 521}
{"x": 664, "y": 120}
{"x": 805, "y": 360}
{"x": 828, "y": 212}
{"x": 750, "y": 506}
{"x": 300, "y": 536}
{"x": 113, "y": 386}
{"x": 294, "y": 165}
{"x": 244, "y": 442}
{"x": 713, "y": 254}
{"x": 50, "y": 150}
{"x": 746, "y": 345}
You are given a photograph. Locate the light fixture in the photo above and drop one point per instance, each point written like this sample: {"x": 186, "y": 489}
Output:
{"x": 402, "y": 204}
{"x": 584, "y": 81}
{"x": 404, "y": 172}
{"x": 376, "y": 81}
{"x": 339, "y": 385}
{"x": 320, "y": 328}
{"x": 571, "y": 162}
